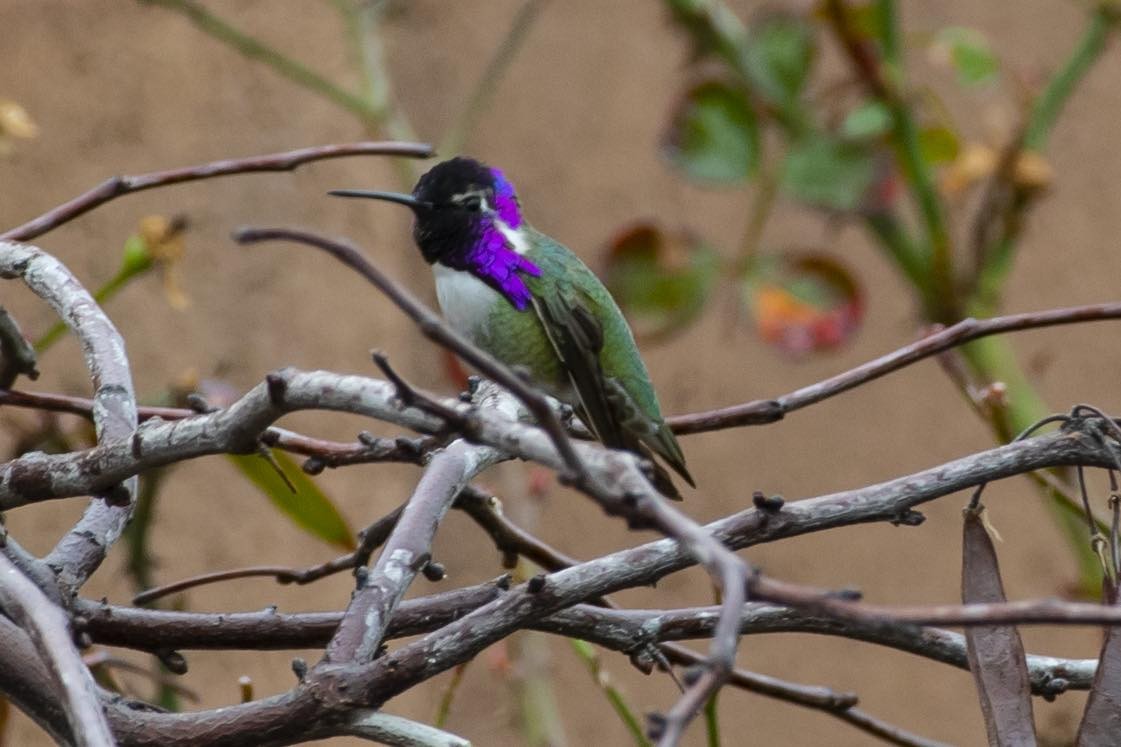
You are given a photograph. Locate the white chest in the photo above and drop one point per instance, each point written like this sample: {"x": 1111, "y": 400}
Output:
{"x": 466, "y": 301}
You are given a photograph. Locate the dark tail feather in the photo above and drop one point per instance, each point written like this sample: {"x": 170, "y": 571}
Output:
{"x": 663, "y": 483}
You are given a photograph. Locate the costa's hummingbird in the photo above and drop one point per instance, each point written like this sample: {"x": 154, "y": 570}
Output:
{"x": 530, "y": 302}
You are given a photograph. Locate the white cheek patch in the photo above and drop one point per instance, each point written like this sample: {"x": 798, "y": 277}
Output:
{"x": 514, "y": 236}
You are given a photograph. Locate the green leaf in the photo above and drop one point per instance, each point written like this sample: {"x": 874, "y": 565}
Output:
{"x": 309, "y": 507}
{"x": 779, "y": 52}
{"x": 661, "y": 281}
{"x": 714, "y": 135}
{"x": 970, "y": 54}
{"x": 868, "y": 121}
{"x": 939, "y": 144}
{"x": 828, "y": 172}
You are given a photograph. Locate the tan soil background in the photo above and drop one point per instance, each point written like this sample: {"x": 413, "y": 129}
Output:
{"x": 117, "y": 88}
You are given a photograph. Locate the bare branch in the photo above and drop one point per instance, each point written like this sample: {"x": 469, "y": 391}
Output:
{"x": 121, "y": 185}
{"x": 386, "y": 728}
{"x": 48, "y": 629}
{"x": 406, "y": 552}
{"x": 81, "y": 551}
{"x": 768, "y": 411}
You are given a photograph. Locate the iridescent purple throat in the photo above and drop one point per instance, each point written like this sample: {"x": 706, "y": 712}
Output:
{"x": 492, "y": 259}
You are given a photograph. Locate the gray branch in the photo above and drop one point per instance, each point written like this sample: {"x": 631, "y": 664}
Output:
{"x": 48, "y": 628}
{"x": 81, "y": 551}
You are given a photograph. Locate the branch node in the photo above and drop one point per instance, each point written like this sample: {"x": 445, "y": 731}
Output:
{"x": 361, "y": 574}
{"x": 118, "y": 495}
{"x": 277, "y": 383}
{"x": 434, "y": 571}
{"x": 655, "y": 725}
{"x": 198, "y": 403}
{"x": 536, "y": 584}
{"x": 908, "y": 518}
{"x": 175, "y": 662}
{"x": 770, "y": 505}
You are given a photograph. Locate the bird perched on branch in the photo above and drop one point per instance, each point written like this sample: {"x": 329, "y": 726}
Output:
{"x": 530, "y": 302}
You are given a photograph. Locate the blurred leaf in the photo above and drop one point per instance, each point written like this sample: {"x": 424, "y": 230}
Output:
{"x": 996, "y": 653}
{"x": 803, "y": 303}
{"x": 661, "y": 281}
{"x": 1100, "y": 721}
{"x": 968, "y": 52}
{"x": 939, "y": 144}
{"x": 15, "y": 121}
{"x": 779, "y": 52}
{"x": 309, "y": 507}
{"x": 860, "y": 17}
{"x": 714, "y": 135}
{"x": 828, "y": 172}
{"x": 868, "y": 121}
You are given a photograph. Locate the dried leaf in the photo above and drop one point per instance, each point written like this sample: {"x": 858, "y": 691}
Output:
{"x": 804, "y": 302}
{"x": 15, "y": 121}
{"x": 660, "y": 280}
{"x": 1101, "y": 721}
{"x": 996, "y": 653}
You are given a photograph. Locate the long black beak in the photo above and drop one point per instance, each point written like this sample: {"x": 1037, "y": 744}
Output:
{"x": 399, "y": 197}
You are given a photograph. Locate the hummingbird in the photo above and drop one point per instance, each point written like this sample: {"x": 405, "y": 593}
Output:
{"x": 530, "y": 302}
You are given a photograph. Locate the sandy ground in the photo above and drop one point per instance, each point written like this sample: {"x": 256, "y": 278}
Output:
{"x": 120, "y": 88}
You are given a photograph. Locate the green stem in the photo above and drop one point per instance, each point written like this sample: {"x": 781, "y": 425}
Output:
{"x": 484, "y": 90}
{"x": 762, "y": 203}
{"x": 592, "y": 661}
{"x": 254, "y": 49}
{"x": 445, "y": 706}
{"x": 916, "y": 169}
{"x": 910, "y": 258}
{"x": 362, "y": 21}
{"x": 1049, "y": 105}
{"x": 541, "y": 720}
{"x": 993, "y": 359}
{"x": 712, "y": 721}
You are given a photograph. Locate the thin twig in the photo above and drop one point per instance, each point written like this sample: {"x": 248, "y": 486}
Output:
{"x": 768, "y": 411}
{"x": 286, "y": 161}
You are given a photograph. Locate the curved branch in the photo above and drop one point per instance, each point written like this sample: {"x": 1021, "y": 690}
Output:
{"x": 761, "y": 412}
{"x": 80, "y": 552}
{"x": 116, "y": 186}
{"x": 48, "y": 629}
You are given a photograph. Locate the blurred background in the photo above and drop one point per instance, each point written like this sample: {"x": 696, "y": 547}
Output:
{"x": 581, "y": 120}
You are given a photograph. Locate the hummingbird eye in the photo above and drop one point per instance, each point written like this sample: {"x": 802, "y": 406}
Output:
{"x": 472, "y": 203}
